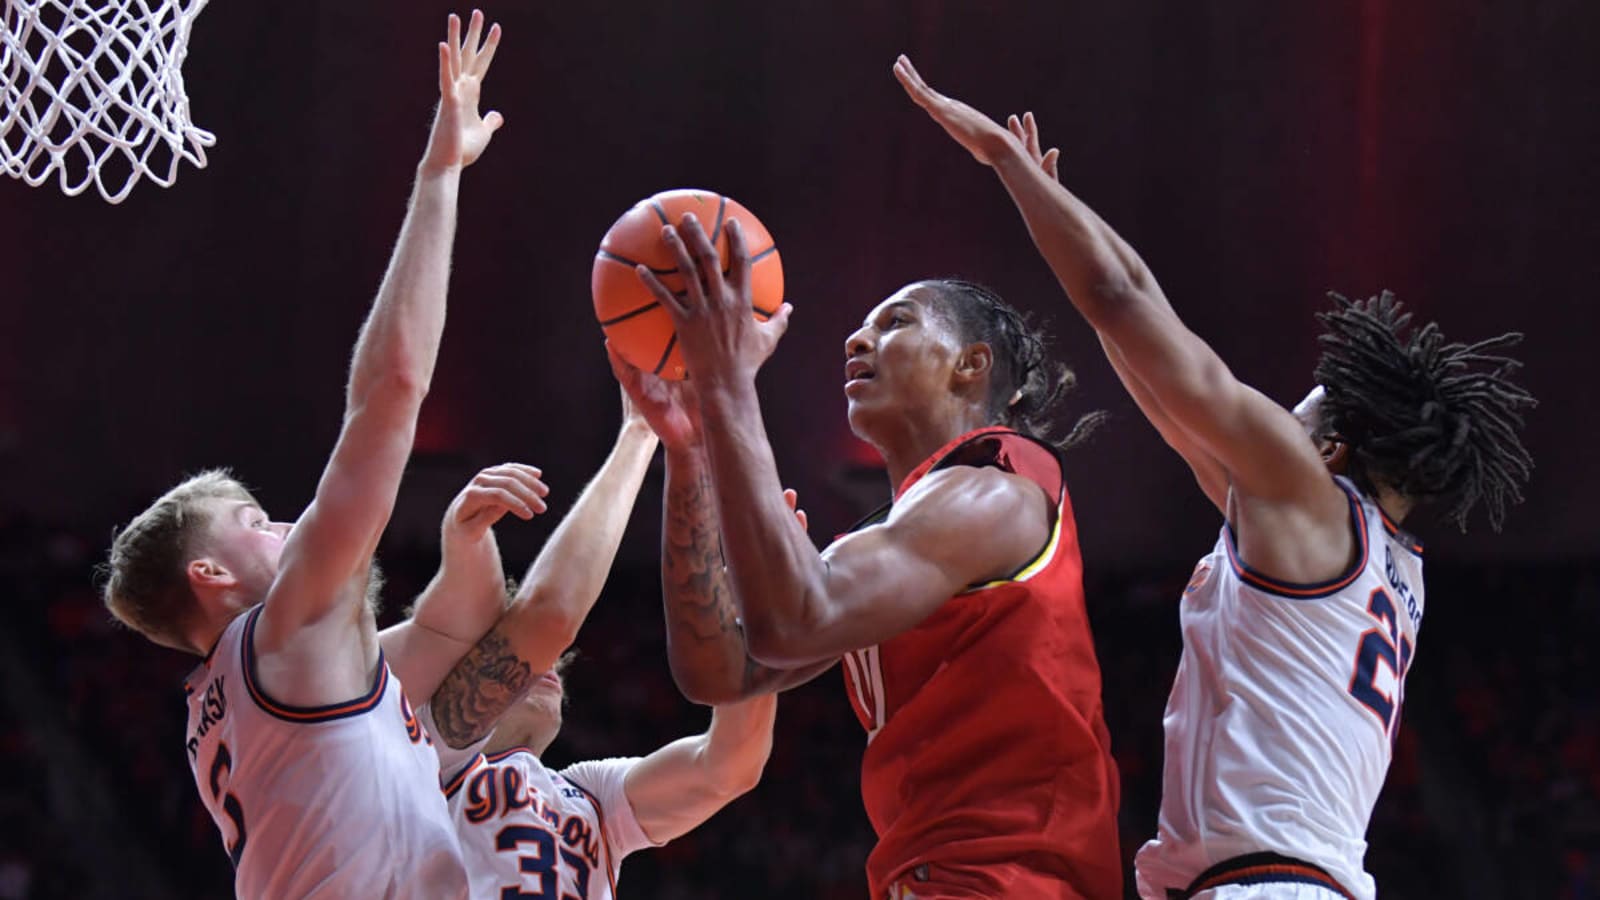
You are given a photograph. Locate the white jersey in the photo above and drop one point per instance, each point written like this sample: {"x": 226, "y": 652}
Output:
{"x": 1281, "y": 721}
{"x": 526, "y": 828}
{"x": 334, "y": 801}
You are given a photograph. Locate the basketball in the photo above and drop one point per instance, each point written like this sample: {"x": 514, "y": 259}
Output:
{"x": 634, "y": 322}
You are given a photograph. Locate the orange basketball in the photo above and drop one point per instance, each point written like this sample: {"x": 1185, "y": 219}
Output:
{"x": 638, "y": 328}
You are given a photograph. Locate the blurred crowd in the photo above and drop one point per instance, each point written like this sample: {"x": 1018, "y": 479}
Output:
{"x": 1495, "y": 789}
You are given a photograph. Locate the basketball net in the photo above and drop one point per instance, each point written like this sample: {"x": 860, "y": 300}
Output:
{"x": 91, "y": 90}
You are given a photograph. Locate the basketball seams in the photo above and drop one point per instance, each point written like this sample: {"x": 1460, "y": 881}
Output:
{"x": 666, "y": 354}
{"x": 636, "y": 311}
{"x": 619, "y": 259}
{"x": 636, "y": 321}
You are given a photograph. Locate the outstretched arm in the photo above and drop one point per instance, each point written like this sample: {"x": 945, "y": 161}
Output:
{"x": 553, "y": 600}
{"x": 331, "y": 545}
{"x": 468, "y": 594}
{"x": 1264, "y": 451}
{"x": 1298, "y": 520}
{"x": 1208, "y": 473}
{"x": 675, "y": 789}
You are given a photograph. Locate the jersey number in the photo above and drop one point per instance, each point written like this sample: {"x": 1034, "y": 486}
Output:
{"x": 1383, "y": 645}
{"x": 221, "y": 768}
{"x": 542, "y": 864}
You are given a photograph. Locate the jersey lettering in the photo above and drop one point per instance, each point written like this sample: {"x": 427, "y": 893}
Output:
{"x": 221, "y": 769}
{"x": 542, "y": 862}
{"x": 1382, "y": 646}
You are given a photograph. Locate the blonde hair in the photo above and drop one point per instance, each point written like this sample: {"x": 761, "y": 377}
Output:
{"x": 146, "y": 586}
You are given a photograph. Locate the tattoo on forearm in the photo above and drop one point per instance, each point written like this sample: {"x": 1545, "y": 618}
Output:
{"x": 702, "y": 619}
{"x": 483, "y": 685}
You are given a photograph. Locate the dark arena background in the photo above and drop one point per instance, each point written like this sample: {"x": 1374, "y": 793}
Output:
{"x": 1257, "y": 154}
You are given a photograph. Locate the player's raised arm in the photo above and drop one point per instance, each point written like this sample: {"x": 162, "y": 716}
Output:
{"x": 678, "y": 787}
{"x": 332, "y": 543}
{"x": 706, "y": 646}
{"x": 958, "y": 527}
{"x": 468, "y": 593}
{"x": 553, "y": 600}
{"x": 1265, "y": 453}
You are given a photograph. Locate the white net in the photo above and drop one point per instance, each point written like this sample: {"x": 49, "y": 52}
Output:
{"x": 92, "y": 91}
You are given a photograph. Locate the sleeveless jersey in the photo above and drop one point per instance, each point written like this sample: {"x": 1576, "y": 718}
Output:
{"x": 1280, "y": 724}
{"x": 525, "y": 828}
{"x": 332, "y": 801}
{"x": 986, "y": 739}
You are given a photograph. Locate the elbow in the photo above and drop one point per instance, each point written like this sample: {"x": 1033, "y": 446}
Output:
{"x": 777, "y": 643}
{"x": 395, "y": 386}
{"x": 744, "y": 780}
{"x": 738, "y": 779}
{"x": 702, "y": 690}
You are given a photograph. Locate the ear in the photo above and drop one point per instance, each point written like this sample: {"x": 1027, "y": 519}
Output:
{"x": 208, "y": 573}
{"x": 975, "y": 362}
{"x": 1335, "y": 455}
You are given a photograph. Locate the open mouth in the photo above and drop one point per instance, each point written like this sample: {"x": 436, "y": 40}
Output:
{"x": 857, "y": 370}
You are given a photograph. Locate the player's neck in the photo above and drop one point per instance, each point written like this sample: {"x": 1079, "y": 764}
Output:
{"x": 914, "y": 439}
{"x": 1394, "y": 505}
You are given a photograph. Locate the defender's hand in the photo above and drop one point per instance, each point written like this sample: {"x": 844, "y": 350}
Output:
{"x": 510, "y": 488}
{"x": 982, "y": 136}
{"x": 717, "y": 330}
{"x": 669, "y": 407}
{"x": 459, "y": 133}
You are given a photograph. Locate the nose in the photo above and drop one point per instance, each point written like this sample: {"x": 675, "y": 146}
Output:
{"x": 858, "y": 343}
{"x": 282, "y": 529}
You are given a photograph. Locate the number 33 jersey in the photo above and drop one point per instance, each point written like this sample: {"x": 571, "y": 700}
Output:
{"x": 528, "y": 831}
{"x": 328, "y": 802}
{"x": 1281, "y": 721}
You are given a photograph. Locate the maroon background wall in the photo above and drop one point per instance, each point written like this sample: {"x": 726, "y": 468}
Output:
{"x": 1256, "y": 154}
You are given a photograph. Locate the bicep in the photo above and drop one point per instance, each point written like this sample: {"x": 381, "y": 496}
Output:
{"x": 958, "y": 527}
{"x": 334, "y": 539}
{"x": 669, "y": 790}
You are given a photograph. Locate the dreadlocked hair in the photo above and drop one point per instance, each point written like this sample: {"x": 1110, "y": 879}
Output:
{"x": 1025, "y": 384}
{"x": 1434, "y": 421}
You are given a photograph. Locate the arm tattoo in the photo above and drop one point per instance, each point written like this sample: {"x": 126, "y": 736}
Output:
{"x": 485, "y": 683}
{"x": 705, "y": 638}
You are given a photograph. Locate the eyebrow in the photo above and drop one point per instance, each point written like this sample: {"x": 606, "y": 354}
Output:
{"x": 898, "y": 304}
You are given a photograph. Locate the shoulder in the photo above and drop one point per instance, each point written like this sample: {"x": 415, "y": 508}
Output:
{"x": 972, "y": 495}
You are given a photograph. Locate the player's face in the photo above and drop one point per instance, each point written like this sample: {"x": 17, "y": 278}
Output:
{"x": 900, "y": 358}
{"x": 241, "y": 537}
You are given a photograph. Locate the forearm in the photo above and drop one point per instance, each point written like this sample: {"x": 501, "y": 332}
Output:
{"x": 739, "y": 742}
{"x": 705, "y": 640}
{"x": 777, "y": 576}
{"x": 1100, "y": 272}
{"x": 464, "y": 599}
{"x": 399, "y": 342}
{"x": 565, "y": 579}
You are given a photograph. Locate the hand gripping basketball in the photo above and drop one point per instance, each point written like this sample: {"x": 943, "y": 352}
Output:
{"x": 719, "y": 338}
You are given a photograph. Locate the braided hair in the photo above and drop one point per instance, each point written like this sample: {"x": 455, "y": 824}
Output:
{"x": 1025, "y": 383}
{"x": 1434, "y": 421}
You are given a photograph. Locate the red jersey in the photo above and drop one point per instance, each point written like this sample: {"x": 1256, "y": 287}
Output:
{"x": 988, "y": 768}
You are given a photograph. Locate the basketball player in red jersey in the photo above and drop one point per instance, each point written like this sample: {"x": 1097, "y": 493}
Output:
{"x": 957, "y": 608}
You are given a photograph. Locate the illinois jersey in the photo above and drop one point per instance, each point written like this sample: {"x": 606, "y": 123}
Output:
{"x": 988, "y": 766}
{"x": 528, "y": 831}
{"x": 333, "y": 801}
{"x": 1281, "y": 721}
